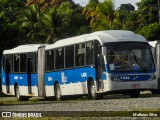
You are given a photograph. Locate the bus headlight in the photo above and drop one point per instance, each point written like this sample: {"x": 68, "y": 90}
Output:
{"x": 114, "y": 78}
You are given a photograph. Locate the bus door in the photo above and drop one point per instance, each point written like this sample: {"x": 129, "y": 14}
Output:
{"x": 8, "y": 71}
{"x": 29, "y": 73}
{"x": 99, "y": 71}
{"x": 41, "y": 71}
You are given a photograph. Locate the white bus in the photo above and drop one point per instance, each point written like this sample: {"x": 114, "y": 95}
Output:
{"x": 104, "y": 62}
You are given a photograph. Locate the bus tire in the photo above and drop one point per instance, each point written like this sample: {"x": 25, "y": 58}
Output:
{"x": 57, "y": 92}
{"x": 92, "y": 91}
{"x": 135, "y": 94}
{"x": 18, "y": 96}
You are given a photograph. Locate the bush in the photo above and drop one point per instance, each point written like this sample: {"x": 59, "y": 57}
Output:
{"x": 151, "y": 32}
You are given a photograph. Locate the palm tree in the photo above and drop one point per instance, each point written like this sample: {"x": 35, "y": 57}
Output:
{"x": 102, "y": 15}
{"x": 31, "y": 21}
{"x": 52, "y": 20}
{"x": 56, "y": 20}
{"x": 110, "y": 14}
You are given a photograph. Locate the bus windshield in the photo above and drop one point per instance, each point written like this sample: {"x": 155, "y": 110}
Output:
{"x": 129, "y": 56}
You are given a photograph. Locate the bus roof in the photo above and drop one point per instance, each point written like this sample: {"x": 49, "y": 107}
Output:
{"x": 101, "y": 36}
{"x": 23, "y": 49}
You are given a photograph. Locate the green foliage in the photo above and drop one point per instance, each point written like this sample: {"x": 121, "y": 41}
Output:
{"x": 148, "y": 12}
{"x": 20, "y": 24}
{"x": 151, "y": 32}
{"x": 127, "y": 7}
{"x": 102, "y": 16}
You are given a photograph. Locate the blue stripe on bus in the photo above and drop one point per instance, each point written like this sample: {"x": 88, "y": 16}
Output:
{"x": 70, "y": 76}
{"x": 130, "y": 72}
{"x": 74, "y": 75}
{"x": 134, "y": 77}
{"x": 63, "y": 76}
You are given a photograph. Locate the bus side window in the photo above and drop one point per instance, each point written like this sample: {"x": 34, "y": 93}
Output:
{"x": 59, "y": 58}
{"x": 23, "y": 62}
{"x": 50, "y": 60}
{"x": 7, "y": 63}
{"x": 16, "y": 62}
{"x": 69, "y": 56}
{"x": 97, "y": 47}
{"x": 89, "y": 53}
{"x": 31, "y": 63}
{"x": 80, "y": 54}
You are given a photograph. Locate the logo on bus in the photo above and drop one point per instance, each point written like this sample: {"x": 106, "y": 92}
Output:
{"x": 83, "y": 74}
{"x": 16, "y": 77}
{"x": 63, "y": 77}
{"x": 50, "y": 78}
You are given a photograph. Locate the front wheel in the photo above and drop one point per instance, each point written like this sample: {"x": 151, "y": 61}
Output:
{"x": 92, "y": 92}
{"x": 58, "y": 92}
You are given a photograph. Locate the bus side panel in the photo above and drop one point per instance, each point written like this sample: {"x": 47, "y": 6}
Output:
{"x": 72, "y": 81}
{"x": 4, "y": 90}
{"x": 22, "y": 81}
{"x": 4, "y": 84}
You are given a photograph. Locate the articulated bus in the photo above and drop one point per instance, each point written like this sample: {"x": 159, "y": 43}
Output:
{"x": 94, "y": 64}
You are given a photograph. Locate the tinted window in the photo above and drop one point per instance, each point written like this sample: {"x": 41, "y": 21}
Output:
{"x": 97, "y": 47}
{"x": 7, "y": 63}
{"x": 50, "y": 60}
{"x": 59, "y": 58}
{"x": 69, "y": 56}
{"x": 31, "y": 59}
{"x": 23, "y": 60}
{"x": 89, "y": 53}
{"x": 80, "y": 54}
{"x": 129, "y": 56}
{"x": 16, "y": 62}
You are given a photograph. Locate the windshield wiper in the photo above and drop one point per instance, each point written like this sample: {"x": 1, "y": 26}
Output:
{"x": 141, "y": 68}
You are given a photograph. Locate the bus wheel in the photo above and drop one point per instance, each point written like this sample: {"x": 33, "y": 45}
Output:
{"x": 135, "y": 94}
{"x": 92, "y": 91}
{"x": 57, "y": 92}
{"x": 18, "y": 96}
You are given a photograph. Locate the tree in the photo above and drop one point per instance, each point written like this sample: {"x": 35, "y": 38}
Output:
{"x": 127, "y": 7}
{"x": 102, "y": 16}
{"x": 148, "y": 12}
{"x": 10, "y": 32}
{"x": 30, "y": 21}
{"x": 151, "y": 32}
{"x": 63, "y": 21}
{"x": 54, "y": 22}
{"x": 47, "y": 3}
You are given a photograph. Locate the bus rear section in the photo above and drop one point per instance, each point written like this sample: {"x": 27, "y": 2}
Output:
{"x": 22, "y": 71}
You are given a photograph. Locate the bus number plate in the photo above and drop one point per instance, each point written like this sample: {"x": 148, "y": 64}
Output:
{"x": 134, "y": 86}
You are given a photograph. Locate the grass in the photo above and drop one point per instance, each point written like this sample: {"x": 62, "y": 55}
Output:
{"x": 38, "y": 100}
{"x": 3, "y": 95}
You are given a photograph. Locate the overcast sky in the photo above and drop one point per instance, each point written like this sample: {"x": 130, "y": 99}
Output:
{"x": 116, "y": 2}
